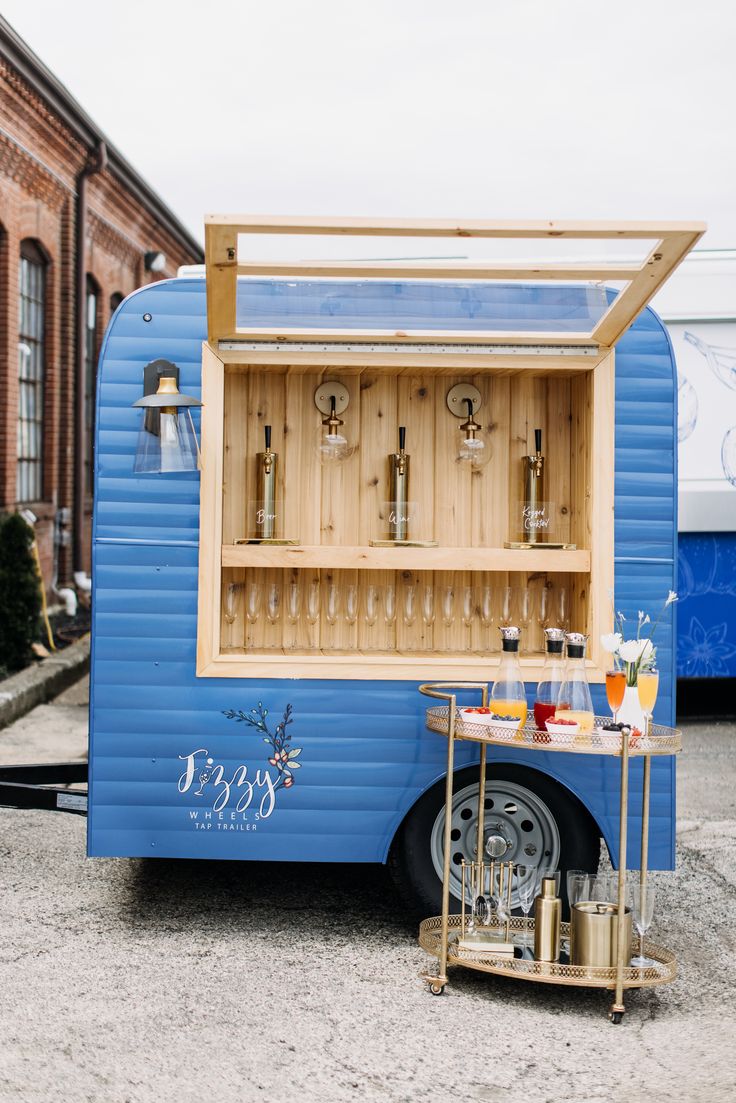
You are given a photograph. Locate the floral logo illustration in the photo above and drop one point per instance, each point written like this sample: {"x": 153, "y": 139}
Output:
{"x": 705, "y": 650}
{"x": 283, "y": 755}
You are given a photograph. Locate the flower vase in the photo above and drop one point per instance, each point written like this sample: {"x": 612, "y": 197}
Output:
{"x": 631, "y": 711}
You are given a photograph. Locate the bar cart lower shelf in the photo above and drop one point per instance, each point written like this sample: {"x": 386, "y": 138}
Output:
{"x": 439, "y": 935}
{"x": 525, "y": 968}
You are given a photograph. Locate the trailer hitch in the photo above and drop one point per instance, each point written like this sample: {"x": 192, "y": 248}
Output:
{"x": 42, "y": 786}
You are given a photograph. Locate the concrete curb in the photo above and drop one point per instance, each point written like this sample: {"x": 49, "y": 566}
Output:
{"x": 39, "y": 683}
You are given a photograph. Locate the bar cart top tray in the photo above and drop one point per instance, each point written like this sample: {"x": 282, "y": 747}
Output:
{"x": 660, "y": 740}
{"x": 583, "y": 976}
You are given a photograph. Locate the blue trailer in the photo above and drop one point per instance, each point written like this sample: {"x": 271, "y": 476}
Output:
{"x": 322, "y": 754}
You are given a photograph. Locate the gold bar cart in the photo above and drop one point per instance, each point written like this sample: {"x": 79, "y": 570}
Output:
{"x": 439, "y": 934}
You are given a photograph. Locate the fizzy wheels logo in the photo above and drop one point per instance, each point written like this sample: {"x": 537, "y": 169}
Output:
{"x": 238, "y": 798}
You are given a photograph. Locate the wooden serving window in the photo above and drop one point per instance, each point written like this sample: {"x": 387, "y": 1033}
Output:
{"x": 334, "y": 605}
{"x": 335, "y": 512}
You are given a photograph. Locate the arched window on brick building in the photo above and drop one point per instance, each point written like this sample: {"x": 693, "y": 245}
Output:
{"x": 91, "y": 352}
{"x": 31, "y": 371}
{"x": 115, "y": 300}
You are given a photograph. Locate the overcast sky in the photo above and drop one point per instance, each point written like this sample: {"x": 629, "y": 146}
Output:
{"x": 527, "y": 108}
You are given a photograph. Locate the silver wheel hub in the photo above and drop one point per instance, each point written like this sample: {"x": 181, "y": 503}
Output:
{"x": 518, "y": 827}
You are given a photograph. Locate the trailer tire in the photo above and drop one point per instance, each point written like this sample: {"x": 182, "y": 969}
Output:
{"x": 531, "y": 808}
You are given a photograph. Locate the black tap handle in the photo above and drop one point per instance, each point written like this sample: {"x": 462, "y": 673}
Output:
{"x": 402, "y": 438}
{"x": 267, "y": 431}
{"x": 538, "y": 439}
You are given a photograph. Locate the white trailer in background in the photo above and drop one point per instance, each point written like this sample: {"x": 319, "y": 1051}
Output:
{"x": 698, "y": 305}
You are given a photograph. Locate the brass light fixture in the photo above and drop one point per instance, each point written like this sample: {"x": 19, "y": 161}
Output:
{"x": 332, "y": 445}
{"x": 473, "y": 450}
{"x": 167, "y": 441}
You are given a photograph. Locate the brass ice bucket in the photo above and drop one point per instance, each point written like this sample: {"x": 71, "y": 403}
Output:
{"x": 594, "y": 934}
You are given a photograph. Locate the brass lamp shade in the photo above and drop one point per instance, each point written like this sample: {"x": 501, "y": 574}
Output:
{"x": 167, "y": 443}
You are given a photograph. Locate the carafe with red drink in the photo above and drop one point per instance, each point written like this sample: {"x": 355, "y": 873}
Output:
{"x": 548, "y": 690}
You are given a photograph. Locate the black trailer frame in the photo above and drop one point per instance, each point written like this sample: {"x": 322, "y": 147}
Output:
{"x": 44, "y": 786}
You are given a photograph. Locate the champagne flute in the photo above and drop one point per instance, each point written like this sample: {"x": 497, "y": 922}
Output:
{"x": 371, "y": 606}
{"x": 486, "y": 609}
{"x": 604, "y": 887}
{"x": 644, "y": 895}
{"x": 332, "y": 603}
{"x": 468, "y": 612}
{"x": 578, "y": 886}
{"x": 389, "y": 605}
{"x": 428, "y": 613}
{"x": 293, "y": 608}
{"x": 526, "y": 890}
{"x": 351, "y": 604}
{"x": 273, "y": 603}
{"x": 313, "y": 601}
{"x": 448, "y": 606}
{"x": 253, "y": 601}
{"x": 615, "y": 690}
{"x": 501, "y": 894}
{"x": 313, "y": 606}
{"x": 409, "y": 607}
{"x": 544, "y": 610}
{"x": 232, "y": 593}
{"x": 526, "y": 609}
{"x": 506, "y": 609}
{"x": 647, "y": 685}
{"x": 563, "y": 607}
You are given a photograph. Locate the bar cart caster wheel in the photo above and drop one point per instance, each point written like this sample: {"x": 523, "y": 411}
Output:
{"x": 436, "y": 989}
{"x": 616, "y": 1017}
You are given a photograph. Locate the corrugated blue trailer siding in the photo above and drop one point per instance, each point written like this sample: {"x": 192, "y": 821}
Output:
{"x": 361, "y": 772}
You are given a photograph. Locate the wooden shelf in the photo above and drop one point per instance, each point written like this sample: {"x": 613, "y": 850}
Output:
{"x": 415, "y": 559}
{"x": 416, "y": 666}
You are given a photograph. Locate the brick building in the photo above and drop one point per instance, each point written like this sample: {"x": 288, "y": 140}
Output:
{"x": 79, "y": 230}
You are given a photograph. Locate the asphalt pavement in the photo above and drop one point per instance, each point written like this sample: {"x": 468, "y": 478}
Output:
{"x": 141, "y": 981}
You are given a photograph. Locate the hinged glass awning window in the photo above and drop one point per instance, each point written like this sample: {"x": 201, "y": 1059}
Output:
{"x": 554, "y": 307}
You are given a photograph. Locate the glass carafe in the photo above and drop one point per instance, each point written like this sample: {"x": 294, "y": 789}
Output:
{"x": 553, "y": 673}
{"x": 574, "y": 701}
{"x": 508, "y": 697}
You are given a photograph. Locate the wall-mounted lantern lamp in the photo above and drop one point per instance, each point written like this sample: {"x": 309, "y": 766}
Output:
{"x": 154, "y": 261}
{"x": 332, "y": 445}
{"x": 472, "y": 450}
{"x": 167, "y": 440}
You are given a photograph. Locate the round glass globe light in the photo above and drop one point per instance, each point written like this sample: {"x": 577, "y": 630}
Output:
{"x": 333, "y": 447}
{"x": 473, "y": 453}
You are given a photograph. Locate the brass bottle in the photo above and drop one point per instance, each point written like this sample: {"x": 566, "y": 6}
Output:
{"x": 547, "y": 917}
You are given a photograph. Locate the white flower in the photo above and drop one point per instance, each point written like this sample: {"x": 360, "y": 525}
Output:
{"x": 620, "y": 616}
{"x": 671, "y": 596}
{"x": 641, "y": 615}
{"x": 632, "y": 650}
{"x": 611, "y": 642}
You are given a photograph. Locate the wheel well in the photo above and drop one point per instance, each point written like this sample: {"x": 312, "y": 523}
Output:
{"x": 467, "y": 774}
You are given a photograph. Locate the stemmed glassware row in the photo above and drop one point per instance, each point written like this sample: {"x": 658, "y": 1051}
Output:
{"x": 433, "y": 610}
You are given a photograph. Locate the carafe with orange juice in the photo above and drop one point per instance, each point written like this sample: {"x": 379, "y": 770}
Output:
{"x": 508, "y": 697}
{"x": 574, "y": 701}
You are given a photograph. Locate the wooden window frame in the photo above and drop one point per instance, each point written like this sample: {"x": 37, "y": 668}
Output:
{"x": 673, "y": 241}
